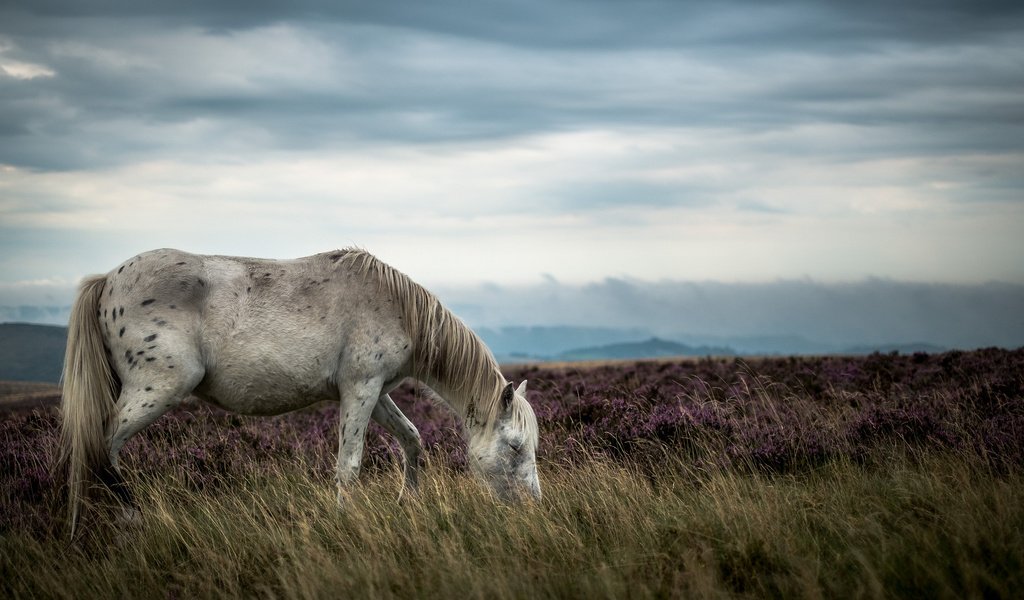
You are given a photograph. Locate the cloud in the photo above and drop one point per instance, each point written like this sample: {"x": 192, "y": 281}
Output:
{"x": 230, "y": 82}
{"x": 737, "y": 141}
{"x": 473, "y": 212}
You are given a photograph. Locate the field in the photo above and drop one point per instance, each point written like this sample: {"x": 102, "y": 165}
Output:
{"x": 877, "y": 476}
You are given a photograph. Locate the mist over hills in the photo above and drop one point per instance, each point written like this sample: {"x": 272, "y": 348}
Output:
{"x": 32, "y": 352}
{"x": 38, "y": 315}
{"x": 623, "y": 318}
{"x": 779, "y": 317}
{"x": 782, "y": 317}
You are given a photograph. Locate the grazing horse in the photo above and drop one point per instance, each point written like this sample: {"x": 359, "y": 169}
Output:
{"x": 263, "y": 337}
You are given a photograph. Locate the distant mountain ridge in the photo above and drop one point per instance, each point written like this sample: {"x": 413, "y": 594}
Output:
{"x": 31, "y": 352}
{"x": 651, "y": 348}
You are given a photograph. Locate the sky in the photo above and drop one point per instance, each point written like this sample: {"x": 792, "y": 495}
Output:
{"x": 519, "y": 145}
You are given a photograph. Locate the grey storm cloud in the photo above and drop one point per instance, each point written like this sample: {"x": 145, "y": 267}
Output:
{"x": 587, "y": 23}
{"x": 944, "y": 75}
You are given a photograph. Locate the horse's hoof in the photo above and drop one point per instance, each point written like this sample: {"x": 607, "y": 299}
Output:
{"x": 130, "y": 517}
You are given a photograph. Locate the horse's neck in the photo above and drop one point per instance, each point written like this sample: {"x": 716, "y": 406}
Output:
{"x": 467, "y": 404}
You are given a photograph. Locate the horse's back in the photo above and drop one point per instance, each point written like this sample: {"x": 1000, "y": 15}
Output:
{"x": 270, "y": 335}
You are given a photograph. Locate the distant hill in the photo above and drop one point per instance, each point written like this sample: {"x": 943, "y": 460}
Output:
{"x": 534, "y": 342}
{"x": 761, "y": 345}
{"x": 31, "y": 352}
{"x": 901, "y": 348}
{"x": 651, "y": 348}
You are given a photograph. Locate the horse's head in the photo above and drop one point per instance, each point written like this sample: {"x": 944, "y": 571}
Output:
{"x": 503, "y": 452}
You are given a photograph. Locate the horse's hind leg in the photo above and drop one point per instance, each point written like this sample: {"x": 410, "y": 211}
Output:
{"x": 391, "y": 418}
{"x": 145, "y": 396}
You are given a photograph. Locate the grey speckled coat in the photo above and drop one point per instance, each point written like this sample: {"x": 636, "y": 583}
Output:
{"x": 263, "y": 337}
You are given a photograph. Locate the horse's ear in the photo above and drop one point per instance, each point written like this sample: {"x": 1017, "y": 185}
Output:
{"x": 506, "y": 397}
{"x": 521, "y": 390}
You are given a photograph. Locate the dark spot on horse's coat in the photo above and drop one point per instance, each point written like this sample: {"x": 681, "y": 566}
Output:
{"x": 120, "y": 311}
{"x": 149, "y": 338}
{"x": 266, "y": 274}
{"x": 98, "y": 313}
{"x": 405, "y": 346}
{"x": 131, "y": 263}
{"x": 376, "y": 340}
{"x": 179, "y": 263}
{"x": 150, "y": 359}
{"x": 110, "y": 293}
{"x": 161, "y": 323}
{"x": 149, "y": 388}
{"x": 248, "y": 289}
{"x": 326, "y": 280}
{"x": 150, "y": 347}
{"x": 120, "y": 333}
{"x": 128, "y": 354}
{"x": 124, "y": 420}
{"x": 173, "y": 306}
{"x": 343, "y": 429}
{"x": 148, "y": 302}
{"x": 202, "y": 283}
{"x": 170, "y": 366}
{"x": 121, "y": 269}
{"x": 140, "y": 353}
{"x": 336, "y": 257}
{"x": 104, "y": 313}
{"x": 114, "y": 315}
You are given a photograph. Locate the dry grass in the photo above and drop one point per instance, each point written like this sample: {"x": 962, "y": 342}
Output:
{"x": 929, "y": 527}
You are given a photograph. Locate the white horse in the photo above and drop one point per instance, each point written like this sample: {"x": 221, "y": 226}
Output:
{"x": 263, "y": 337}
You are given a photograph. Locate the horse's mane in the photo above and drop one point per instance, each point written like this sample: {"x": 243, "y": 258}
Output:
{"x": 444, "y": 348}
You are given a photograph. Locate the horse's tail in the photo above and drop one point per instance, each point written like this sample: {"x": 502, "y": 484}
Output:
{"x": 87, "y": 406}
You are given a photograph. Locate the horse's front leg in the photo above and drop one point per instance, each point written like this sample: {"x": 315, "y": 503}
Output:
{"x": 357, "y": 401}
{"x": 391, "y": 418}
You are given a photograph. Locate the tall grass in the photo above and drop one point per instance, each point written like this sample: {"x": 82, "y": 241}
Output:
{"x": 881, "y": 476}
{"x": 929, "y": 526}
